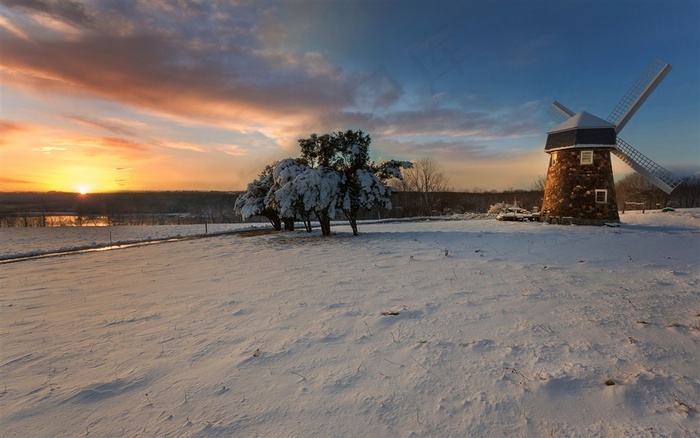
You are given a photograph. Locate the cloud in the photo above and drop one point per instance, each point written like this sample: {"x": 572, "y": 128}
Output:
{"x": 104, "y": 147}
{"x": 439, "y": 121}
{"x": 181, "y": 145}
{"x": 376, "y": 91}
{"x": 122, "y": 177}
{"x": 14, "y": 181}
{"x": 66, "y": 11}
{"x": 442, "y": 121}
{"x": 114, "y": 144}
{"x": 48, "y": 149}
{"x": 112, "y": 125}
{"x": 14, "y": 29}
{"x": 234, "y": 150}
{"x": 8, "y": 129}
{"x": 206, "y": 69}
{"x": 424, "y": 147}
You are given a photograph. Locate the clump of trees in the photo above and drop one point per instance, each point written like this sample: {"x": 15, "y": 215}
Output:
{"x": 687, "y": 194}
{"x": 333, "y": 176}
{"x": 634, "y": 189}
{"x": 427, "y": 179}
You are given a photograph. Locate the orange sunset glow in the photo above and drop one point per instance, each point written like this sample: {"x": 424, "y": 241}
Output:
{"x": 101, "y": 96}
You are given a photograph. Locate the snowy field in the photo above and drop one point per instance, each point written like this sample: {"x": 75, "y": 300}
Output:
{"x": 20, "y": 241}
{"x": 416, "y": 329}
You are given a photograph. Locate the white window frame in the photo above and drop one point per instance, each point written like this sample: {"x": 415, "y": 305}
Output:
{"x": 603, "y": 192}
{"x": 586, "y": 157}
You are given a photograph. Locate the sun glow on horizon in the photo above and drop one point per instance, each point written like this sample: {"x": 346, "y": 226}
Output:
{"x": 83, "y": 189}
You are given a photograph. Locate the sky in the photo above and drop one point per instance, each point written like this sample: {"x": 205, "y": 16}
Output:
{"x": 110, "y": 95}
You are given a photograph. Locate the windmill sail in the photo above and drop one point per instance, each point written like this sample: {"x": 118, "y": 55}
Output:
{"x": 559, "y": 112}
{"x": 659, "y": 176}
{"x": 621, "y": 114}
{"x": 637, "y": 94}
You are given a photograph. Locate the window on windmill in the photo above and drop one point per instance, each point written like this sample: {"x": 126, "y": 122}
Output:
{"x": 586, "y": 157}
{"x": 601, "y": 196}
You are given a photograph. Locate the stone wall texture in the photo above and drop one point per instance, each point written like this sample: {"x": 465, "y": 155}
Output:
{"x": 569, "y": 191}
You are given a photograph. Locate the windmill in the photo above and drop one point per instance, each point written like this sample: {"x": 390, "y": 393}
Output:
{"x": 579, "y": 185}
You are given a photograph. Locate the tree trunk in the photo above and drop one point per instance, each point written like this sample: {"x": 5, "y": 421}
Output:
{"x": 288, "y": 223}
{"x": 307, "y": 222}
{"x": 276, "y": 222}
{"x": 353, "y": 223}
{"x": 325, "y": 221}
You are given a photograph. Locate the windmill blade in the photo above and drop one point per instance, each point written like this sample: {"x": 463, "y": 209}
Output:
{"x": 559, "y": 112}
{"x": 638, "y": 93}
{"x": 656, "y": 174}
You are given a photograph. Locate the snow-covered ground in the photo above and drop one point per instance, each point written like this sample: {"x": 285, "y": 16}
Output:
{"x": 20, "y": 241}
{"x": 435, "y": 328}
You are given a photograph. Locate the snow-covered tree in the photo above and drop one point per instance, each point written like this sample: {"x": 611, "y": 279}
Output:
{"x": 360, "y": 182}
{"x": 366, "y": 188}
{"x": 284, "y": 173}
{"x": 391, "y": 169}
{"x": 333, "y": 175}
{"x": 254, "y": 202}
{"x": 314, "y": 191}
{"x": 363, "y": 189}
{"x": 260, "y": 198}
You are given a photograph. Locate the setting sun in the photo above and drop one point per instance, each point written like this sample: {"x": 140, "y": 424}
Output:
{"x": 83, "y": 189}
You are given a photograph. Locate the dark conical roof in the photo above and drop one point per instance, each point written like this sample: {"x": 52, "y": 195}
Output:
{"x": 583, "y": 130}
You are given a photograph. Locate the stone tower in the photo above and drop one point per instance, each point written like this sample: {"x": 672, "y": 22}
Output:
{"x": 579, "y": 187}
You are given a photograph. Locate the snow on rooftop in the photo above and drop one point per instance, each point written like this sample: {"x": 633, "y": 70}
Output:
{"x": 582, "y": 120}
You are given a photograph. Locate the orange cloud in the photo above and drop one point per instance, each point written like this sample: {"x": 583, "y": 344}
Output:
{"x": 100, "y": 146}
{"x": 48, "y": 149}
{"x": 181, "y": 145}
{"x": 234, "y": 150}
{"x": 143, "y": 71}
{"x": 9, "y": 129}
{"x": 119, "y": 127}
{"x": 14, "y": 181}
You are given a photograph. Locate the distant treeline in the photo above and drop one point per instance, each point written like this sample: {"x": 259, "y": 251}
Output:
{"x": 120, "y": 208}
{"x": 19, "y": 209}
{"x": 185, "y": 207}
